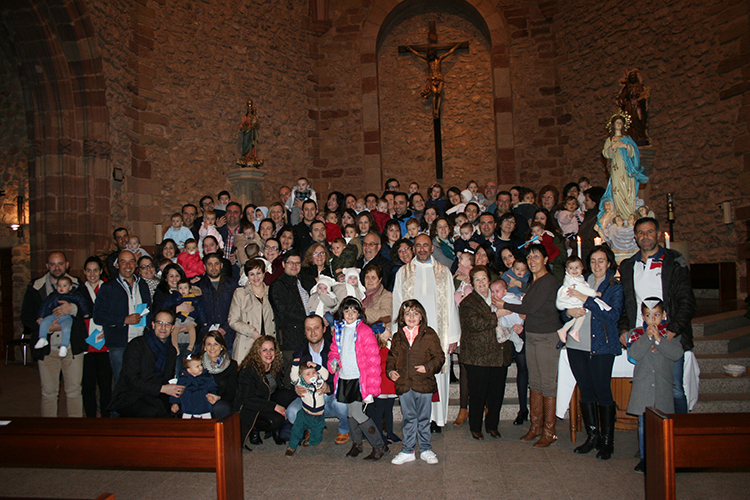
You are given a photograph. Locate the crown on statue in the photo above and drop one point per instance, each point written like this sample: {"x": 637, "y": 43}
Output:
{"x": 625, "y": 121}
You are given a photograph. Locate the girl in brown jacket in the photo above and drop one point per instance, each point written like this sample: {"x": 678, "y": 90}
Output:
{"x": 415, "y": 357}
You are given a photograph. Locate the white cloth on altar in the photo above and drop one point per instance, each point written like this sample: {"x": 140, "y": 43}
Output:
{"x": 622, "y": 368}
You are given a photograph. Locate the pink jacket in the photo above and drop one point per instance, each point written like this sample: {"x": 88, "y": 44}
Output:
{"x": 368, "y": 359}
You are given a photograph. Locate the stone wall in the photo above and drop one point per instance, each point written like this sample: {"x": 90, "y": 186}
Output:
{"x": 177, "y": 82}
{"x": 677, "y": 48}
{"x": 468, "y": 129}
{"x": 337, "y": 146}
{"x": 14, "y": 180}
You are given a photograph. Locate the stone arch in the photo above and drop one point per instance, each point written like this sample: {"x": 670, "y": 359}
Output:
{"x": 492, "y": 25}
{"x": 53, "y": 46}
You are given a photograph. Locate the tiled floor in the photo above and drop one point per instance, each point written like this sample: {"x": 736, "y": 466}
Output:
{"x": 506, "y": 468}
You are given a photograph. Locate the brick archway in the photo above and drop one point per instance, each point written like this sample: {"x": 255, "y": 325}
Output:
{"x": 381, "y": 16}
{"x": 52, "y": 44}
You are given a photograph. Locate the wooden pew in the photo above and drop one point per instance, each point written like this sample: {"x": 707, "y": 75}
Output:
{"x": 129, "y": 443}
{"x": 103, "y": 496}
{"x": 692, "y": 440}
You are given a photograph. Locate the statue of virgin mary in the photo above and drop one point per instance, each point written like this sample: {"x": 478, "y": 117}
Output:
{"x": 624, "y": 165}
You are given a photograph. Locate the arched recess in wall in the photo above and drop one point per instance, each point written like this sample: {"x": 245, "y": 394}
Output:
{"x": 52, "y": 43}
{"x": 384, "y": 17}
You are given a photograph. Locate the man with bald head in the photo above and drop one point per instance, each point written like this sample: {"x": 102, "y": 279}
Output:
{"x": 50, "y": 364}
{"x": 117, "y": 309}
{"x": 431, "y": 283}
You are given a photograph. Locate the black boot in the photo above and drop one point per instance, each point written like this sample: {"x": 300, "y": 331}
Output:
{"x": 591, "y": 422}
{"x": 607, "y": 416}
{"x": 276, "y": 435}
{"x": 255, "y": 437}
{"x": 522, "y": 416}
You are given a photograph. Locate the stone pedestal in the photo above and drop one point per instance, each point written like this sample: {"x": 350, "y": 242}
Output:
{"x": 246, "y": 185}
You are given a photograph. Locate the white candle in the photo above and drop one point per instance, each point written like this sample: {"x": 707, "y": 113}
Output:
{"x": 578, "y": 239}
{"x": 158, "y": 233}
{"x": 597, "y": 241}
{"x": 666, "y": 240}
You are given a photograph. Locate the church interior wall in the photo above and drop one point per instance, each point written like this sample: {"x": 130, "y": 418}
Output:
{"x": 178, "y": 74}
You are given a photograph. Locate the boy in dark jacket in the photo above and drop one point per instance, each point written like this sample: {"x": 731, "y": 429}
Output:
{"x": 200, "y": 389}
{"x": 66, "y": 292}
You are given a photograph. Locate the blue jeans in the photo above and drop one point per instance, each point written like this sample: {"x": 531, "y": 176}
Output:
{"x": 65, "y": 322}
{"x": 333, "y": 409}
{"x": 115, "y": 359}
{"x": 678, "y": 390}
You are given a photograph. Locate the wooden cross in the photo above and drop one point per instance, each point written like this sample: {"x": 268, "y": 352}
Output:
{"x": 435, "y": 80}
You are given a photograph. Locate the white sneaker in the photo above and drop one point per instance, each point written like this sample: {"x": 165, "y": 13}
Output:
{"x": 40, "y": 343}
{"x": 403, "y": 458}
{"x": 429, "y": 457}
{"x": 63, "y": 352}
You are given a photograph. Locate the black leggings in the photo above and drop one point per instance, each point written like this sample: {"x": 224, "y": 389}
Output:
{"x": 381, "y": 411}
{"x": 593, "y": 375}
{"x": 97, "y": 371}
{"x": 522, "y": 378}
{"x": 266, "y": 420}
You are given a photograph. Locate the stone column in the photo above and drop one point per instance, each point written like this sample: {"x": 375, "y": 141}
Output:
{"x": 246, "y": 186}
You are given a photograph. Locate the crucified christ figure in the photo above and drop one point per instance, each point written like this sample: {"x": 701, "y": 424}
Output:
{"x": 435, "y": 80}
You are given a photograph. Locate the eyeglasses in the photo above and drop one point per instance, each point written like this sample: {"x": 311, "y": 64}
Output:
{"x": 147, "y": 266}
{"x": 163, "y": 323}
{"x": 318, "y": 254}
{"x": 404, "y": 250}
{"x": 369, "y": 244}
{"x": 269, "y": 247}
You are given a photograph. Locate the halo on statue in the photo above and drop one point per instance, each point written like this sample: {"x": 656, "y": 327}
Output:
{"x": 626, "y": 121}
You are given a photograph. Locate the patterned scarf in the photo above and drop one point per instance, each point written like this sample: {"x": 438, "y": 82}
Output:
{"x": 368, "y": 300}
{"x": 213, "y": 368}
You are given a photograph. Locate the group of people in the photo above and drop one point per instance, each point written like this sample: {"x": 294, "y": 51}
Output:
{"x": 296, "y": 312}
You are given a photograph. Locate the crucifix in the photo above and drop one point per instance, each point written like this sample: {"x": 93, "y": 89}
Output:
{"x": 434, "y": 86}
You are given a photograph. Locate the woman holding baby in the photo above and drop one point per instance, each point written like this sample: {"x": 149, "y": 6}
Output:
{"x": 485, "y": 359}
{"x": 592, "y": 358}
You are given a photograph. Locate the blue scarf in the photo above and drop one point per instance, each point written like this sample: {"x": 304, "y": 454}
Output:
{"x": 160, "y": 349}
{"x": 447, "y": 248}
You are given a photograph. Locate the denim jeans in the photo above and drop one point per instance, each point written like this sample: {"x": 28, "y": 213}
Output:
{"x": 115, "y": 359}
{"x": 678, "y": 389}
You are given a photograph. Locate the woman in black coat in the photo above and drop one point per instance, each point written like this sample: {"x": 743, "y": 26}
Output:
{"x": 215, "y": 358}
{"x": 261, "y": 398}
